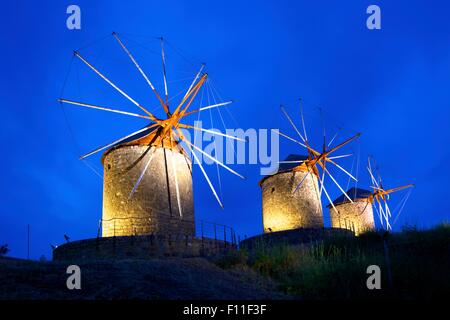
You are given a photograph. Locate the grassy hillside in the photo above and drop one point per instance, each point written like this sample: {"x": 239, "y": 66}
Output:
{"x": 418, "y": 262}
{"x": 172, "y": 278}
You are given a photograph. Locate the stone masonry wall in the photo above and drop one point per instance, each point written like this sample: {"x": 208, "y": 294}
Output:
{"x": 357, "y": 215}
{"x": 285, "y": 210}
{"x": 153, "y": 208}
{"x": 139, "y": 247}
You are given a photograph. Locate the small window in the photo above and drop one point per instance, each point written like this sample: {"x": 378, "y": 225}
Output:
{"x": 109, "y": 166}
{"x": 273, "y": 190}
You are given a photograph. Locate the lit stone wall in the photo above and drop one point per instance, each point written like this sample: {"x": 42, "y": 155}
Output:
{"x": 357, "y": 216}
{"x": 148, "y": 209}
{"x": 139, "y": 247}
{"x": 285, "y": 210}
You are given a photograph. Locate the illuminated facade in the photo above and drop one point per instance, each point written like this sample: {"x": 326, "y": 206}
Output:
{"x": 284, "y": 209}
{"x": 356, "y": 216}
{"x": 153, "y": 207}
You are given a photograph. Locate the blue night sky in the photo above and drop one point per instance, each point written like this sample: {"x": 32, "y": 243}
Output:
{"x": 390, "y": 84}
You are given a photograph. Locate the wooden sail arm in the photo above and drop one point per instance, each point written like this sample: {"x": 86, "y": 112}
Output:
{"x": 311, "y": 151}
{"x": 186, "y": 126}
{"x": 183, "y": 138}
{"x": 386, "y": 192}
{"x": 216, "y": 105}
{"x": 194, "y": 89}
{"x": 356, "y": 136}
{"x": 340, "y": 167}
{"x": 152, "y": 117}
{"x": 165, "y": 107}
{"x": 92, "y": 106}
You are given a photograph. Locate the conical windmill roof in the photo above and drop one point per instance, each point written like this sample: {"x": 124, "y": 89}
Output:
{"x": 286, "y": 167}
{"x": 145, "y": 138}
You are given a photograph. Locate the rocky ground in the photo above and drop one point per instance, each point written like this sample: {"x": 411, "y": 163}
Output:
{"x": 172, "y": 278}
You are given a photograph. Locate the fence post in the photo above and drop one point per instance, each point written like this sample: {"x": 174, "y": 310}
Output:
{"x": 114, "y": 240}
{"x": 203, "y": 245}
{"x": 201, "y": 228}
{"x": 215, "y": 235}
{"x": 99, "y": 227}
{"x": 225, "y": 236}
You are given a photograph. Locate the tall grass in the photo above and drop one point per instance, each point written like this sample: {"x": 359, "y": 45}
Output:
{"x": 336, "y": 268}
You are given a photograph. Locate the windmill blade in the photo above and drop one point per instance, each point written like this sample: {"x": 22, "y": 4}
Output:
{"x": 388, "y": 215}
{"x": 82, "y": 104}
{"x": 386, "y": 208}
{"x": 334, "y": 137}
{"x": 379, "y": 215}
{"x": 329, "y": 198}
{"x": 208, "y": 107}
{"x": 379, "y": 181}
{"x": 163, "y": 58}
{"x": 213, "y": 159}
{"x": 291, "y": 161}
{"x": 341, "y": 168}
{"x": 369, "y": 168}
{"x": 385, "y": 217}
{"x": 292, "y": 122}
{"x": 334, "y": 180}
{"x": 341, "y": 156}
{"x": 296, "y": 141}
{"x": 192, "y": 94}
{"x": 322, "y": 182}
{"x": 356, "y": 136}
{"x": 403, "y": 203}
{"x": 398, "y": 189}
{"x": 303, "y": 121}
{"x": 186, "y": 126}
{"x": 116, "y": 142}
{"x": 204, "y": 173}
{"x": 195, "y": 79}
{"x": 303, "y": 180}
{"x": 141, "y": 71}
{"x": 177, "y": 188}
{"x": 136, "y": 185}
{"x": 324, "y": 146}
{"x": 152, "y": 117}
{"x": 288, "y": 137}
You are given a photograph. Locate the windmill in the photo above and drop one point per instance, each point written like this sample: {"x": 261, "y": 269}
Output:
{"x": 318, "y": 162}
{"x": 291, "y": 198}
{"x": 159, "y": 140}
{"x": 380, "y": 196}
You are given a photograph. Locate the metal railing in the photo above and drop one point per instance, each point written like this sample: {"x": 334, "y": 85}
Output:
{"x": 202, "y": 229}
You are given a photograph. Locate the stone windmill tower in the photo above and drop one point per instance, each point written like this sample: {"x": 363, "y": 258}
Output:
{"x": 148, "y": 173}
{"x": 292, "y": 196}
{"x": 282, "y": 208}
{"x": 358, "y": 215}
{"x": 163, "y": 201}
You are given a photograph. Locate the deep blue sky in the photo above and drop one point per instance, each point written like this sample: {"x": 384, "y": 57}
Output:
{"x": 390, "y": 84}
